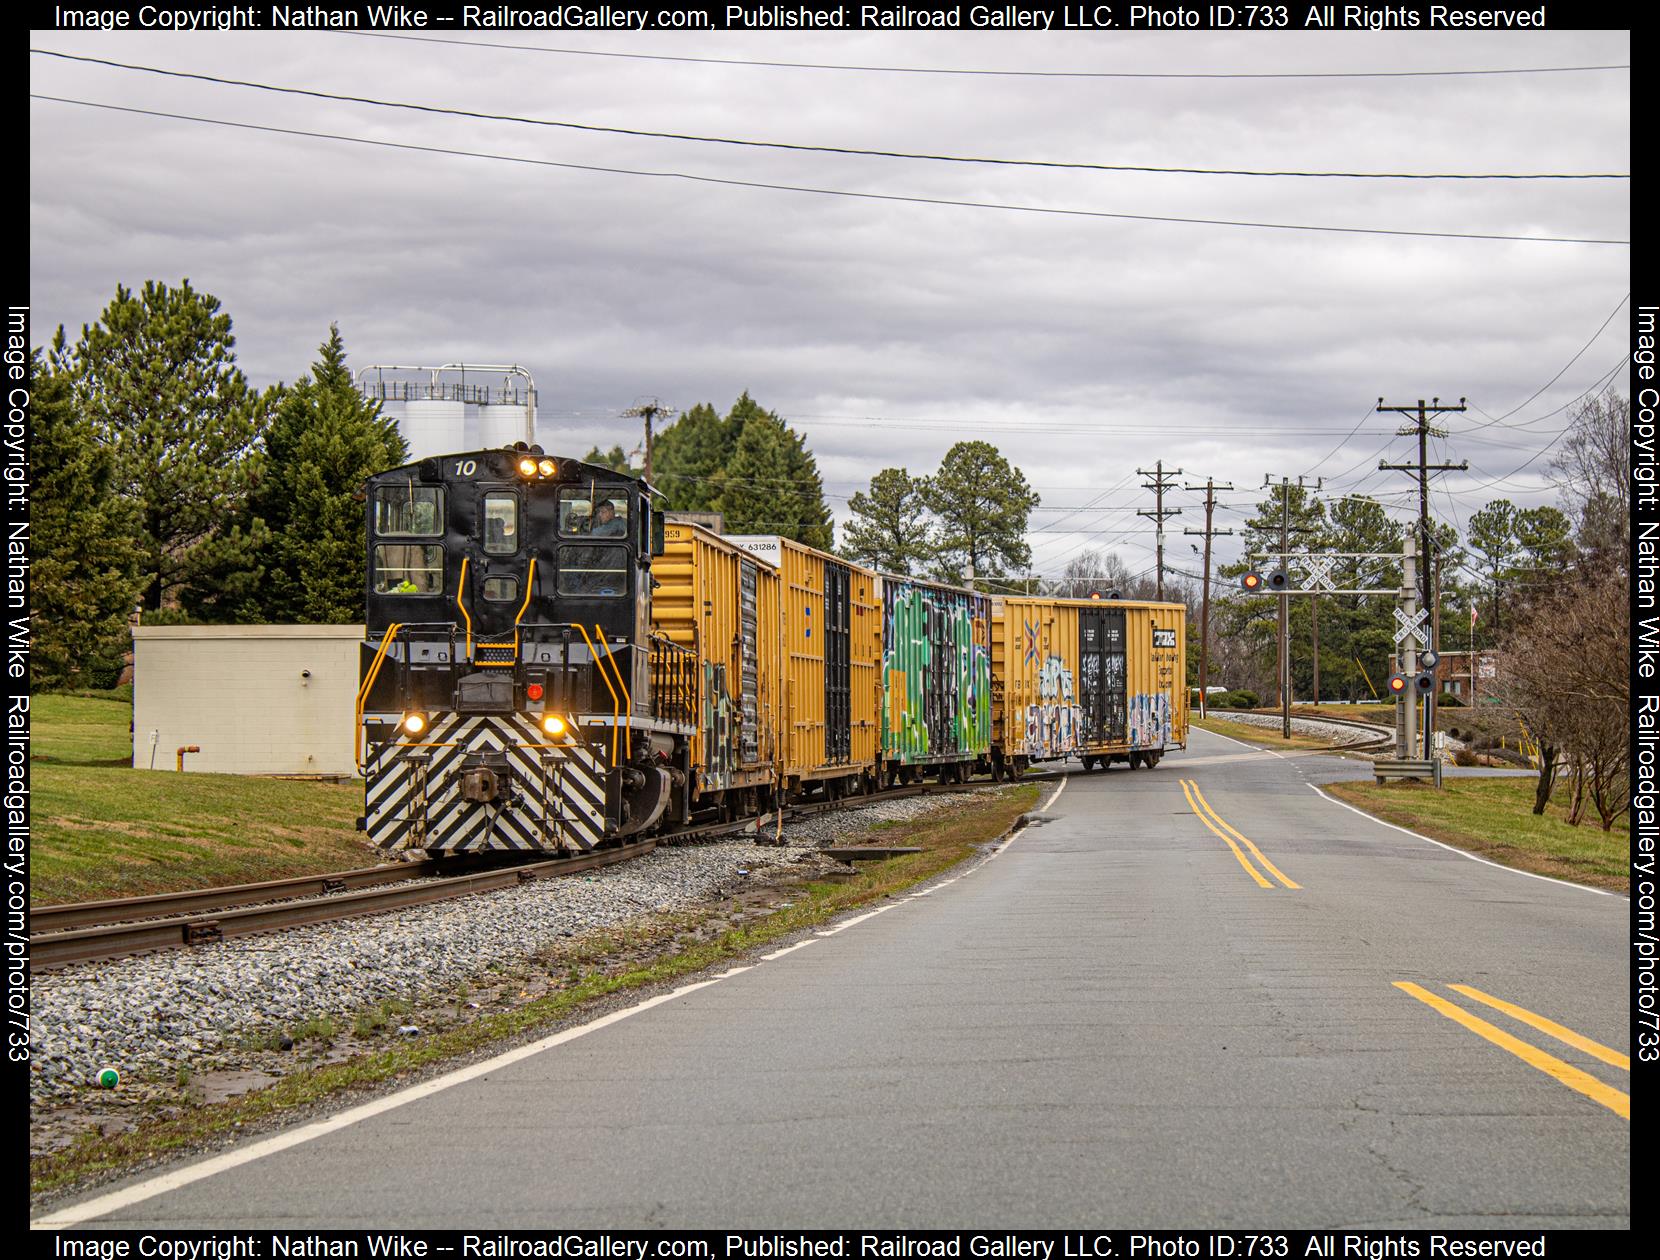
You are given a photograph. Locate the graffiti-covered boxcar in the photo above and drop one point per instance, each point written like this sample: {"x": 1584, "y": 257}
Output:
{"x": 936, "y": 679}
{"x": 1101, "y": 680}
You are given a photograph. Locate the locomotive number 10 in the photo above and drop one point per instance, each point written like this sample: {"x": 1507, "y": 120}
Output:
{"x": 466, "y": 467}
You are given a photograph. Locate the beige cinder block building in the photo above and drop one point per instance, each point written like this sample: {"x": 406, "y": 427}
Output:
{"x": 254, "y": 699}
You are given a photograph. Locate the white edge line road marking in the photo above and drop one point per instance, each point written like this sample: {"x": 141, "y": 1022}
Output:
{"x": 1566, "y": 883}
{"x": 842, "y": 927}
{"x": 788, "y": 949}
{"x": 103, "y": 1205}
{"x": 1243, "y": 744}
{"x": 179, "y": 1178}
{"x": 1056, "y": 796}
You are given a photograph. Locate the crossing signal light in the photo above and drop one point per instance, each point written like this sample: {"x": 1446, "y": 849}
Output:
{"x": 1419, "y": 684}
{"x": 1277, "y": 580}
{"x": 1251, "y": 581}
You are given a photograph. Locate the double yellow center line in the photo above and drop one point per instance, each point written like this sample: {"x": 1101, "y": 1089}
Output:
{"x": 1575, "y": 1079}
{"x": 1214, "y": 821}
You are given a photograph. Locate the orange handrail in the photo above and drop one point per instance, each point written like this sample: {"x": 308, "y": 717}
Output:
{"x": 460, "y": 586}
{"x": 616, "y": 717}
{"x": 369, "y": 681}
{"x": 628, "y": 700}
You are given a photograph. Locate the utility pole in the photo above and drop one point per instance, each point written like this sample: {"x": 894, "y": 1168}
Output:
{"x": 1161, "y": 482}
{"x": 649, "y": 411}
{"x": 1286, "y": 531}
{"x": 1426, "y": 553}
{"x": 1210, "y": 489}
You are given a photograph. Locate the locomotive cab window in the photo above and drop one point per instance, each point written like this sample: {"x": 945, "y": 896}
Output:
{"x": 596, "y": 569}
{"x": 593, "y": 511}
{"x": 501, "y": 524}
{"x": 499, "y": 589}
{"x": 409, "y": 511}
{"x": 409, "y": 569}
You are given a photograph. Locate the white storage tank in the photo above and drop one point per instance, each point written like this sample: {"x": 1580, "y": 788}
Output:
{"x": 433, "y": 426}
{"x": 502, "y": 424}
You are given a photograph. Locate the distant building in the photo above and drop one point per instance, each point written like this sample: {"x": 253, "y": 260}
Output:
{"x": 1452, "y": 675}
{"x": 456, "y": 407}
{"x": 251, "y": 699}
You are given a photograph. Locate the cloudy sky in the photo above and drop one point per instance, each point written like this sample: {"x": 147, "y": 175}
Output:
{"x": 1084, "y": 345}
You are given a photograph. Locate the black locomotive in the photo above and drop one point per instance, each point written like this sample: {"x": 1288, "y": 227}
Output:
{"x": 513, "y": 695}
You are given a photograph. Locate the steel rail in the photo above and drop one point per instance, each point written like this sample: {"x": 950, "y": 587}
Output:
{"x": 113, "y": 940}
{"x": 93, "y": 930}
{"x": 74, "y": 914}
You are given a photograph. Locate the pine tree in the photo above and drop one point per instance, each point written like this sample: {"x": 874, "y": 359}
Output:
{"x": 83, "y": 564}
{"x": 324, "y": 442}
{"x": 890, "y": 529}
{"x": 982, "y": 503}
{"x": 158, "y": 382}
{"x": 747, "y": 492}
{"x": 687, "y": 455}
{"x": 615, "y": 459}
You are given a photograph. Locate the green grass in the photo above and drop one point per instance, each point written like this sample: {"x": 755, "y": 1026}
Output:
{"x": 946, "y": 838}
{"x": 83, "y": 729}
{"x": 1494, "y": 818}
{"x": 101, "y": 830}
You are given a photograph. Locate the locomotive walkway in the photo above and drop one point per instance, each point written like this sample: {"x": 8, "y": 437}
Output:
{"x": 1225, "y": 1002}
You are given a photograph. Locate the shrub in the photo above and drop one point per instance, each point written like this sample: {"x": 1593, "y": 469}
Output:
{"x": 1450, "y": 701}
{"x": 1243, "y": 699}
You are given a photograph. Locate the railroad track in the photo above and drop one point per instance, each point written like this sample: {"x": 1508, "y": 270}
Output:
{"x": 89, "y": 931}
{"x": 1381, "y": 735}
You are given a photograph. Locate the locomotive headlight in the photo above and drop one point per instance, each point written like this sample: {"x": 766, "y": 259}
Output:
{"x": 527, "y": 467}
{"x": 547, "y": 467}
{"x": 414, "y": 723}
{"x": 553, "y": 724}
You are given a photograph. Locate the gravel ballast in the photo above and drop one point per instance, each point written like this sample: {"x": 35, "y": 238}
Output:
{"x": 149, "y": 1015}
{"x": 1332, "y": 732}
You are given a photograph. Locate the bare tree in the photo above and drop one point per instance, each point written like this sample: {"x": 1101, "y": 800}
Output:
{"x": 1093, "y": 572}
{"x": 1593, "y": 470}
{"x": 1568, "y": 681}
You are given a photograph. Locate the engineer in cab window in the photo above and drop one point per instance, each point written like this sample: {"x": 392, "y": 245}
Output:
{"x": 607, "y": 524}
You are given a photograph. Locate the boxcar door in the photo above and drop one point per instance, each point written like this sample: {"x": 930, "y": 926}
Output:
{"x": 838, "y": 689}
{"x": 1101, "y": 691}
{"x": 749, "y": 729}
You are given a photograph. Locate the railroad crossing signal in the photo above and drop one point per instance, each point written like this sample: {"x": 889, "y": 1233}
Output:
{"x": 1278, "y": 581}
{"x": 1252, "y": 581}
{"x": 1411, "y": 626}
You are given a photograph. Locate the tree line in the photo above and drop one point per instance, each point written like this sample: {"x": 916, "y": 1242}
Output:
{"x": 164, "y": 480}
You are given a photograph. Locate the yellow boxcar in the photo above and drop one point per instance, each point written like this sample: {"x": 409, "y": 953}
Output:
{"x": 722, "y": 603}
{"x": 831, "y": 634}
{"x": 1102, "y": 680}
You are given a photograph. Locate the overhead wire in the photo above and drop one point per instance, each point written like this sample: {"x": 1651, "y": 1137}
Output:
{"x": 837, "y": 150}
{"x": 993, "y": 73}
{"x": 1058, "y": 211}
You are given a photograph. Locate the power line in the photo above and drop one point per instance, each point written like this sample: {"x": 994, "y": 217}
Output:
{"x": 1028, "y": 74}
{"x": 1059, "y": 211}
{"x": 845, "y": 151}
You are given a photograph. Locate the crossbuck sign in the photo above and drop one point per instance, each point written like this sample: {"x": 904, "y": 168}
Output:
{"x": 1319, "y": 571}
{"x": 1411, "y": 626}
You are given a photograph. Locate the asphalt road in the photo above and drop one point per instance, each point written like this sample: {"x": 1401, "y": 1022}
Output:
{"x": 1111, "y": 1023}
